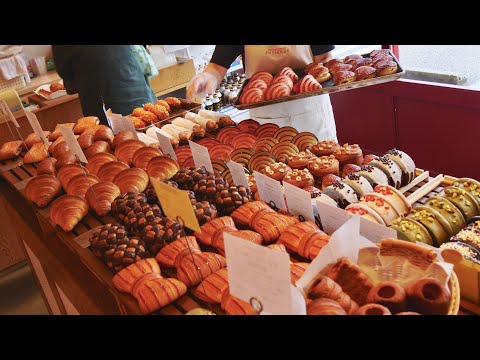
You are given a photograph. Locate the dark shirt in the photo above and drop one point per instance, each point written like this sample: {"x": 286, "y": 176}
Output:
{"x": 224, "y": 55}
{"x": 110, "y": 72}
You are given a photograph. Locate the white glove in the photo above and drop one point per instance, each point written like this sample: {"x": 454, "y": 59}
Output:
{"x": 200, "y": 85}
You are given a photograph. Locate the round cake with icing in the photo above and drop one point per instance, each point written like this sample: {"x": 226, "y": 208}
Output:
{"x": 449, "y": 211}
{"x": 396, "y": 198}
{"x": 390, "y": 169}
{"x": 358, "y": 183}
{"x": 324, "y": 198}
{"x": 299, "y": 178}
{"x": 324, "y": 165}
{"x": 349, "y": 154}
{"x": 381, "y": 205}
{"x": 462, "y": 200}
{"x": 438, "y": 227}
{"x": 365, "y": 212}
{"x": 406, "y": 164}
{"x": 343, "y": 194}
{"x": 373, "y": 175}
{"x": 277, "y": 171}
{"x": 470, "y": 185}
{"x": 411, "y": 230}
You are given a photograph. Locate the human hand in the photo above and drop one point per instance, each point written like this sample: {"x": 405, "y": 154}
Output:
{"x": 200, "y": 85}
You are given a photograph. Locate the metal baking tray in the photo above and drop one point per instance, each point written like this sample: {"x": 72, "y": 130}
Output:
{"x": 327, "y": 87}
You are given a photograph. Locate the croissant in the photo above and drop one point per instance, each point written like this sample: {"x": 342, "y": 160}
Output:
{"x": 37, "y": 153}
{"x": 213, "y": 287}
{"x": 79, "y": 184}
{"x": 121, "y": 137}
{"x": 272, "y": 225}
{"x": 69, "y": 171}
{"x": 210, "y": 228}
{"x": 97, "y": 147}
{"x": 10, "y": 150}
{"x": 192, "y": 271}
{"x": 104, "y": 133}
{"x": 325, "y": 306}
{"x": 109, "y": 170}
{"x": 91, "y": 130}
{"x": 46, "y": 166}
{"x": 277, "y": 247}
{"x": 124, "y": 279}
{"x": 133, "y": 179}
{"x": 124, "y": 152}
{"x": 324, "y": 287}
{"x": 85, "y": 140}
{"x": 218, "y": 241}
{"x": 97, "y": 160}
{"x": 52, "y": 146}
{"x": 34, "y": 139}
{"x": 155, "y": 292}
{"x": 57, "y": 133}
{"x": 68, "y": 210}
{"x": 352, "y": 280}
{"x": 65, "y": 158}
{"x": 60, "y": 149}
{"x": 168, "y": 254}
{"x": 291, "y": 236}
{"x": 84, "y": 123}
{"x": 310, "y": 244}
{"x": 142, "y": 156}
{"x": 246, "y": 212}
{"x": 297, "y": 270}
{"x": 234, "y": 306}
{"x": 42, "y": 189}
{"x": 101, "y": 195}
{"x": 162, "y": 168}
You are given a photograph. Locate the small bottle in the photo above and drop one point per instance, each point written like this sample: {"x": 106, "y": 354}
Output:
{"x": 226, "y": 93}
{"x": 208, "y": 103}
{"x": 220, "y": 98}
{"x": 232, "y": 96}
{"x": 216, "y": 102}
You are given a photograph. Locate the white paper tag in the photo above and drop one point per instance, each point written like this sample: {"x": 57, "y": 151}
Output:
{"x": 165, "y": 145}
{"x": 331, "y": 217}
{"x": 270, "y": 190}
{"x": 8, "y": 116}
{"x": 376, "y": 232}
{"x": 201, "y": 157}
{"x": 238, "y": 174}
{"x": 107, "y": 115}
{"x": 258, "y": 275}
{"x": 72, "y": 143}
{"x": 121, "y": 123}
{"x": 32, "y": 119}
{"x": 299, "y": 202}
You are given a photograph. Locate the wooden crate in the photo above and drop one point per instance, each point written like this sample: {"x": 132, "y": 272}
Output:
{"x": 173, "y": 77}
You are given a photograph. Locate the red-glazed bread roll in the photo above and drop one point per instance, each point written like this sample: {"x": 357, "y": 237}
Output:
{"x": 285, "y": 79}
{"x": 262, "y": 75}
{"x": 390, "y": 295}
{"x": 344, "y": 77}
{"x": 251, "y": 95}
{"x": 311, "y": 66}
{"x": 352, "y": 59}
{"x": 363, "y": 62}
{"x": 320, "y": 73}
{"x": 365, "y": 72}
{"x": 289, "y": 72}
{"x": 331, "y": 63}
{"x": 381, "y": 57}
{"x": 340, "y": 67}
{"x": 277, "y": 90}
{"x": 258, "y": 83}
{"x": 308, "y": 83}
{"x": 386, "y": 67}
{"x": 377, "y": 52}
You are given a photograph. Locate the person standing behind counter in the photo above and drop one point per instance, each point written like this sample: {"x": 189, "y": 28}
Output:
{"x": 111, "y": 72}
{"x": 312, "y": 114}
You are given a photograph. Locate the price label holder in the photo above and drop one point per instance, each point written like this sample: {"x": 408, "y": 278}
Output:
{"x": 238, "y": 174}
{"x": 201, "y": 157}
{"x": 331, "y": 217}
{"x": 176, "y": 204}
{"x": 32, "y": 119}
{"x": 259, "y": 276}
{"x": 72, "y": 143}
{"x": 299, "y": 202}
{"x": 270, "y": 191}
{"x": 165, "y": 145}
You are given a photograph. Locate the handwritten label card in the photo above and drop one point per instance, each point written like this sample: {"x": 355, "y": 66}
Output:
{"x": 376, "y": 232}
{"x": 32, "y": 119}
{"x": 238, "y": 174}
{"x": 7, "y": 114}
{"x": 256, "y": 274}
{"x": 331, "y": 217}
{"x": 72, "y": 143}
{"x": 201, "y": 157}
{"x": 270, "y": 190}
{"x": 176, "y": 204}
{"x": 299, "y": 202}
{"x": 165, "y": 144}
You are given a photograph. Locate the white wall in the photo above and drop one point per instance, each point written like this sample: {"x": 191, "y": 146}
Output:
{"x": 35, "y": 50}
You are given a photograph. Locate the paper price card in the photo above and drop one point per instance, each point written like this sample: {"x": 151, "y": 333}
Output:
{"x": 107, "y": 113}
{"x": 121, "y": 123}
{"x": 32, "y": 119}
{"x": 72, "y": 143}
{"x": 201, "y": 157}
{"x": 176, "y": 204}
{"x": 165, "y": 145}
{"x": 299, "y": 202}
{"x": 259, "y": 276}
{"x": 376, "y": 232}
{"x": 7, "y": 114}
{"x": 331, "y": 217}
{"x": 238, "y": 174}
{"x": 270, "y": 190}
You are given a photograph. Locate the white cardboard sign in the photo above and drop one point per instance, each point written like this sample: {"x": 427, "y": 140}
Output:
{"x": 331, "y": 217}
{"x": 299, "y": 202}
{"x": 72, "y": 143}
{"x": 201, "y": 157}
{"x": 32, "y": 119}
{"x": 165, "y": 145}
{"x": 256, "y": 274}
{"x": 270, "y": 190}
{"x": 238, "y": 174}
{"x": 376, "y": 232}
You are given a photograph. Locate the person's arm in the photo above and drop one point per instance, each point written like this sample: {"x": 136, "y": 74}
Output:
{"x": 322, "y": 53}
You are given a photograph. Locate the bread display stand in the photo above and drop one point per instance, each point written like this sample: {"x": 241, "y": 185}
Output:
{"x": 70, "y": 266}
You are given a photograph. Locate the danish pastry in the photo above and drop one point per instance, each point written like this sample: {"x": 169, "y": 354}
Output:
{"x": 299, "y": 178}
